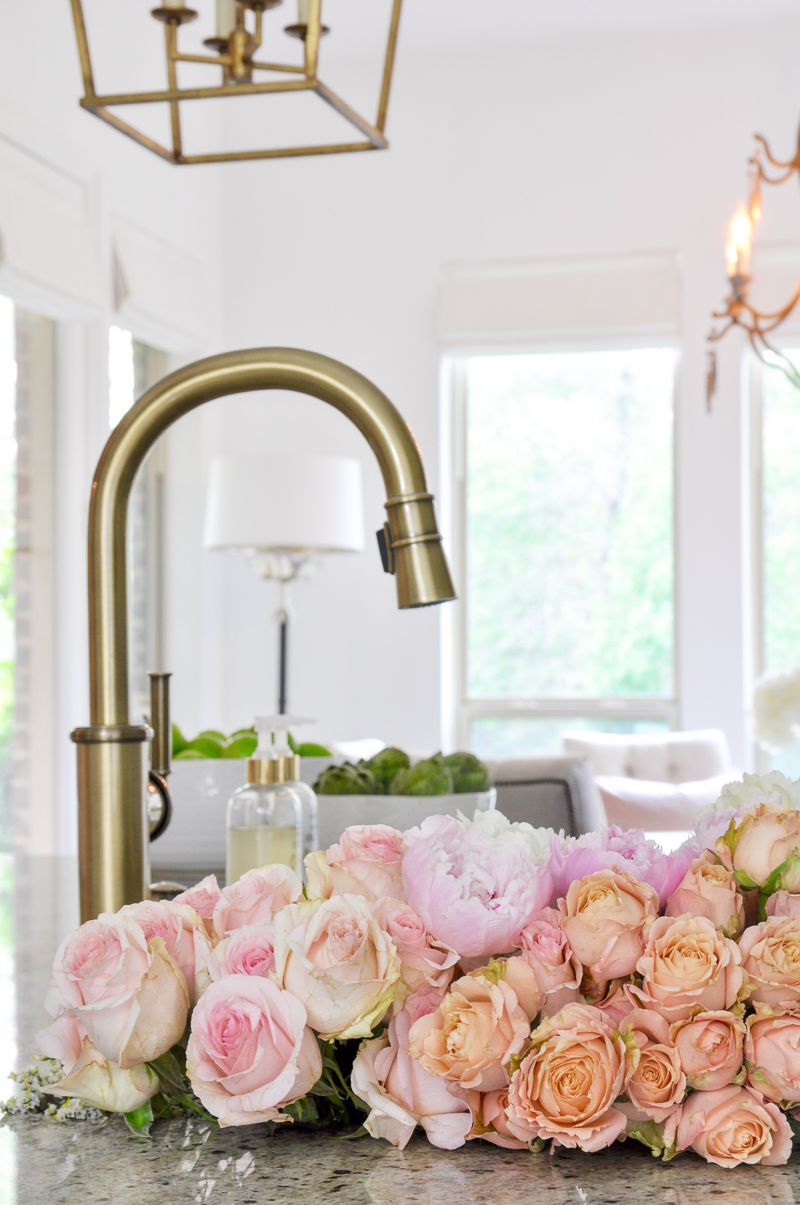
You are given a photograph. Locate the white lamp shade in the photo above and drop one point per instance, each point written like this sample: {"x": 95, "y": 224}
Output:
{"x": 294, "y": 502}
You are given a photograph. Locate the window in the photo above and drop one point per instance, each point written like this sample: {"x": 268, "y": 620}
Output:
{"x": 567, "y": 546}
{"x": 132, "y": 368}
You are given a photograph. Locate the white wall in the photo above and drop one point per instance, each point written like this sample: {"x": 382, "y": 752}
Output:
{"x": 577, "y": 148}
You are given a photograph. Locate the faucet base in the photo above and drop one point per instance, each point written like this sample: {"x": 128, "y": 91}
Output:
{"x": 112, "y": 825}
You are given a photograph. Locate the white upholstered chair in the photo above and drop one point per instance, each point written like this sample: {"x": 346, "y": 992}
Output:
{"x": 656, "y": 782}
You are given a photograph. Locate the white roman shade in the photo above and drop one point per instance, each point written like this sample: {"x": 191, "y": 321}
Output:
{"x": 561, "y": 300}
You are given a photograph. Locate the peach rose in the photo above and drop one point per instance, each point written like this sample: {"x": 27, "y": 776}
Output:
{"x": 423, "y": 960}
{"x": 783, "y": 903}
{"x": 490, "y": 1121}
{"x": 203, "y": 898}
{"x": 710, "y": 1048}
{"x": 90, "y": 1076}
{"x": 366, "y": 862}
{"x": 734, "y": 1125}
{"x": 565, "y": 1088}
{"x": 606, "y": 918}
{"x": 250, "y": 1052}
{"x": 248, "y": 951}
{"x": 767, "y": 835}
{"x": 471, "y": 1037}
{"x": 687, "y": 964}
{"x": 335, "y": 958}
{"x": 182, "y": 930}
{"x": 402, "y": 1095}
{"x": 771, "y": 960}
{"x": 558, "y": 971}
{"x": 128, "y": 993}
{"x": 255, "y": 897}
{"x": 772, "y": 1050}
{"x": 615, "y": 1004}
{"x": 708, "y": 889}
{"x": 658, "y": 1083}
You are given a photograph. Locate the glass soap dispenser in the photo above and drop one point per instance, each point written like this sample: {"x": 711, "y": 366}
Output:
{"x": 274, "y": 816}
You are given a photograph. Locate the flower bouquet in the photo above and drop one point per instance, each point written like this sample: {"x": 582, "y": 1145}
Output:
{"x": 479, "y": 979}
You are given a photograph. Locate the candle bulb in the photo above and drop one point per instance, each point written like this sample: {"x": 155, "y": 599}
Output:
{"x": 302, "y": 12}
{"x": 739, "y": 243}
{"x": 226, "y": 17}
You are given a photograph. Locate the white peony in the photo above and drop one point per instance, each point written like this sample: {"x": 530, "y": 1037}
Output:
{"x": 494, "y": 824}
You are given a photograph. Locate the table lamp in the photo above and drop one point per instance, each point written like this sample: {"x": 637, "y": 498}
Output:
{"x": 285, "y": 512}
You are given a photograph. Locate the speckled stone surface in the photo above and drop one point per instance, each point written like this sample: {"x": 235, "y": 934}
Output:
{"x": 80, "y": 1164}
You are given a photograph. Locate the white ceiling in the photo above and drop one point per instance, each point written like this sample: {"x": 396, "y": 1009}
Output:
{"x": 441, "y": 25}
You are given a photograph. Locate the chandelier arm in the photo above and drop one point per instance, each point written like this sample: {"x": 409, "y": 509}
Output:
{"x": 257, "y": 34}
{"x": 714, "y": 336}
{"x": 790, "y": 163}
{"x": 376, "y": 138}
{"x": 130, "y": 131}
{"x": 216, "y": 60}
{"x": 388, "y": 66}
{"x": 292, "y": 152}
{"x": 212, "y": 93}
{"x": 171, "y": 39}
{"x": 83, "y": 48}
{"x": 312, "y": 37}
{"x": 278, "y": 67}
{"x": 785, "y": 366}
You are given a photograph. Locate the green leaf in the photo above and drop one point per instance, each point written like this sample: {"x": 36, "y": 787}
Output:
{"x": 140, "y": 1120}
{"x": 189, "y": 755}
{"x": 650, "y": 1134}
{"x": 243, "y": 746}
{"x": 178, "y": 741}
{"x": 292, "y": 743}
{"x": 309, "y": 749}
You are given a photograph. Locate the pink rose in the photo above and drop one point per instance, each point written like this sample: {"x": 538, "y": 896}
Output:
{"x": 708, "y": 889}
{"x": 255, "y": 897}
{"x": 127, "y": 992}
{"x": 658, "y": 1083}
{"x": 710, "y": 1047}
{"x": 402, "y": 1095}
{"x": 473, "y": 1034}
{"x": 558, "y": 971}
{"x": 180, "y": 927}
{"x": 203, "y": 898}
{"x": 88, "y": 1075}
{"x": 606, "y": 919}
{"x": 687, "y": 964}
{"x": 771, "y": 961}
{"x": 734, "y": 1125}
{"x": 365, "y": 862}
{"x": 490, "y": 1120}
{"x": 250, "y": 1052}
{"x": 565, "y": 1088}
{"x": 783, "y": 903}
{"x": 474, "y": 891}
{"x": 335, "y": 958}
{"x": 248, "y": 951}
{"x": 423, "y": 960}
{"x": 768, "y": 834}
{"x": 772, "y": 1050}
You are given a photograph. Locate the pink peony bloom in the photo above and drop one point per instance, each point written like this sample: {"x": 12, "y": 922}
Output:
{"x": 366, "y": 862}
{"x": 565, "y": 1088}
{"x": 772, "y": 1050}
{"x": 402, "y": 1095}
{"x": 180, "y": 927}
{"x": 423, "y": 960}
{"x": 474, "y": 892}
{"x": 558, "y": 971}
{"x": 734, "y": 1125}
{"x": 625, "y": 851}
{"x": 606, "y": 917}
{"x": 128, "y": 993}
{"x": 250, "y": 1051}
{"x": 248, "y": 951}
{"x": 710, "y": 1047}
{"x": 255, "y": 897}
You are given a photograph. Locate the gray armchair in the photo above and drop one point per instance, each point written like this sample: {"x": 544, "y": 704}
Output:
{"x": 551, "y": 792}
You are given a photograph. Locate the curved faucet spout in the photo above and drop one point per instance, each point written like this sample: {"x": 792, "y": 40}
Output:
{"x": 113, "y": 846}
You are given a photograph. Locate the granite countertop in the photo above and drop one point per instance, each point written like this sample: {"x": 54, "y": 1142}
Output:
{"x": 77, "y": 1163}
{"x": 43, "y": 1162}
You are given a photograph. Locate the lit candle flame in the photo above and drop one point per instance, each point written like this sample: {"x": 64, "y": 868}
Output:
{"x": 737, "y": 251}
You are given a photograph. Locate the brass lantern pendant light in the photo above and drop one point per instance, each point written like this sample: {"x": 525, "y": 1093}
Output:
{"x": 234, "y": 49}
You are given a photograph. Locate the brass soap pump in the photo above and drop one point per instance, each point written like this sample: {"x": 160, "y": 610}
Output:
{"x": 112, "y": 812}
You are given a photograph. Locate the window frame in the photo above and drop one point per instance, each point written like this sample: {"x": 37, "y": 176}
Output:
{"x": 458, "y": 710}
